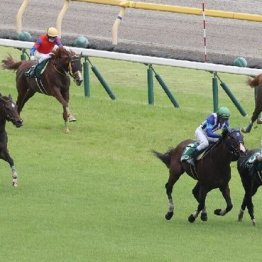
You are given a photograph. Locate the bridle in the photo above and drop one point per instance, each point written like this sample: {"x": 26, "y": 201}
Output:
{"x": 69, "y": 70}
{"x": 233, "y": 144}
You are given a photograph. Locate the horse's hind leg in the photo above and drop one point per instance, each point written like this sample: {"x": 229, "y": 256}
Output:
{"x": 23, "y": 97}
{"x": 226, "y": 194}
{"x": 5, "y": 156}
{"x": 174, "y": 174}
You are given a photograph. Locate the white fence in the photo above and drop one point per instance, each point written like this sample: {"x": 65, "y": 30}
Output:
{"x": 146, "y": 59}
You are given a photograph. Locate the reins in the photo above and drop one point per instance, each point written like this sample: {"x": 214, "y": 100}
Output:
{"x": 64, "y": 71}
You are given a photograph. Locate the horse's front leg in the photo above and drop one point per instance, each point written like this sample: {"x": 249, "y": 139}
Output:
{"x": 249, "y": 202}
{"x": 226, "y": 194}
{"x": 201, "y": 198}
{"x": 5, "y": 156}
{"x": 195, "y": 193}
{"x": 63, "y": 99}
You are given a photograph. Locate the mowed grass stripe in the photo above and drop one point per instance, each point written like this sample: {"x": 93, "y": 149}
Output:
{"x": 97, "y": 194}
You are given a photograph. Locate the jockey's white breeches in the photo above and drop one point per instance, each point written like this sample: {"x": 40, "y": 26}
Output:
{"x": 202, "y": 139}
{"x": 41, "y": 57}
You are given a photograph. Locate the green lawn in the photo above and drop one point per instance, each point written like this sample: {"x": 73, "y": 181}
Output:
{"x": 97, "y": 193}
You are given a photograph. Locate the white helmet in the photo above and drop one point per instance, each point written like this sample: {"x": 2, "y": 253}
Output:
{"x": 52, "y": 32}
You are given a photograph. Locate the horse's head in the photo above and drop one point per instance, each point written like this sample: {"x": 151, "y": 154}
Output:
{"x": 9, "y": 110}
{"x": 70, "y": 63}
{"x": 234, "y": 142}
{"x": 75, "y": 69}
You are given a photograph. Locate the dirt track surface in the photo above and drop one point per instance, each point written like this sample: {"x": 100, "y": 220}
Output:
{"x": 143, "y": 32}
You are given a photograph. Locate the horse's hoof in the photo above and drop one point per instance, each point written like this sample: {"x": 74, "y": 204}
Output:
{"x": 203, "y": 217}
{"x": 67, "y": 131}
{"x": 169, "y": 215}
{"x": 218, "y": 212}
{"x": 240, "y": 215}
{"x": 243, "y": 130}
{"x": 259, "y": 121}
{"x": 191, "y": 219}
{"x": 254, "y": 222}
{"x": 71, "y": 118}
{"x": 14, "y": 184}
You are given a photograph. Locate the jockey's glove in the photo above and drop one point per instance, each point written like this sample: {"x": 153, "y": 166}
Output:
{"x": 32, "y": 57}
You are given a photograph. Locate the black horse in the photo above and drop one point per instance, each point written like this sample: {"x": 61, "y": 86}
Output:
{"x": 211, "y": 171}
{"x": 8, "y": 112}
{"x": 54, "y": 81}
{"x": 249, "y": 166}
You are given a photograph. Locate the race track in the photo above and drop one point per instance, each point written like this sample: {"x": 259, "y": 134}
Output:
{"x": 148, "y": 32}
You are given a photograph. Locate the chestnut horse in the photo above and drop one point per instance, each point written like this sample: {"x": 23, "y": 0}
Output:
{"x": 255, "y": 83}
{"x": 211, "y": 171}
{"x": 249, "y": 166}
{"x": 8, "y": 112}
{"x": 54, "y": 80}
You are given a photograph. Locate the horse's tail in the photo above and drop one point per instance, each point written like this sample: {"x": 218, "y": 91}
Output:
{"x": 165, "y": 158}
{"x": 256, "y": 81}
{"x": 10, "y": 64}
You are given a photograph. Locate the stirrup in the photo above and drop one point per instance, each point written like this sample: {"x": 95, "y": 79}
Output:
{"x": 191, "y": 161}
{"x": 30, "y": 73}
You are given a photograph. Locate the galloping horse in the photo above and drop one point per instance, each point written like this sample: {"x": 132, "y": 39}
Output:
{"x": 211, "y": 171}
{"x": 8, "y": 112}
{"x": 255, "y": 83}
{"x": 54, "y": 81}
{"x": 249, "y": 166}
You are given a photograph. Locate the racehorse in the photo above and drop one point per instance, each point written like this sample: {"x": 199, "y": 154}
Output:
{"x": 54, "y": 80}
{"x": 8, "y": 112}
{"x": 249, "y": 166}
{"x": 211, "y": 171}
{"x": 257, "y": 84}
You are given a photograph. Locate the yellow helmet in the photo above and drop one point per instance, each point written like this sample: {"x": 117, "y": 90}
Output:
{"x": 52, "y": 32}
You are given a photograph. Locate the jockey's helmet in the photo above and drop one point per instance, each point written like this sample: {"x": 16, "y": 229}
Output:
{"x": 223, "y": 112}
{"x": 52, "y": 32}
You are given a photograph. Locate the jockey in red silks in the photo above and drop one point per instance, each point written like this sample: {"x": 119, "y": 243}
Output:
{"x": 43, "y": 47}
{"x": 45, "y": 44}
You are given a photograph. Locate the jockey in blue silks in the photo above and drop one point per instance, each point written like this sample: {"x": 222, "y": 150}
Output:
{"x": 205, "y": 133}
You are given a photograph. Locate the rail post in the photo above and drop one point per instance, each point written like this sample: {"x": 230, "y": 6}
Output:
{"x": 61, "y": 16}
{"x": 215, "y": 92}
{"x": 102, "y": 80}
{"x": 116, "y": 26}
{"x": 86, "y": 78}
{"x": 19, "y": 16}
{"x": 150, "y": 85}
{"x": 165, "y": 88}
{"x": 232, "y": 97}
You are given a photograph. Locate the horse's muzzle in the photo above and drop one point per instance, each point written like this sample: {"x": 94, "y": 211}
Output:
{"x": 78, "y": 82}
{"x": 18, "y": 123}
{"x": 78, "y": 78}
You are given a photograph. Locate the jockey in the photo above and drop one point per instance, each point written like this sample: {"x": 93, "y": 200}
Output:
{"x": 43, "y": 47}
{"x": 205, "y": 133}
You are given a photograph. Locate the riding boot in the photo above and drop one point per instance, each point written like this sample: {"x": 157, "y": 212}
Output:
{"x": 193, "y": 156}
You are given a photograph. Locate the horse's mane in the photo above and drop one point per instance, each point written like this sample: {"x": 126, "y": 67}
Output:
{"x": 62, "y": 52}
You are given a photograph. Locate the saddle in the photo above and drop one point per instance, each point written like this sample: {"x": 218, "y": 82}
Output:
{"x": 191, "y": 148}
{"x": 251, "y": 161}
{"x": 36, "y": 70}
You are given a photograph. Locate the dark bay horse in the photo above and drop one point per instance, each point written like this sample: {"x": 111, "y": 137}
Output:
{"x": 249, "y": 166}
{"x": 54, "y": 81}
{"x": 211, "y": 171}
{"x": 8, "y": 112}
{"x": 257, "y": 84}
